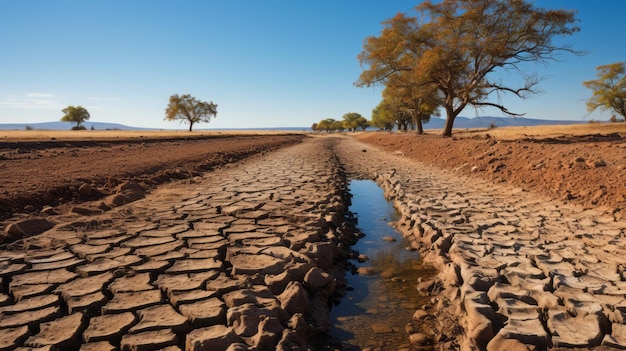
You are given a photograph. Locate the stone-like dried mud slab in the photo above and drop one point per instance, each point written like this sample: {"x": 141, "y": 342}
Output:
{"x": 256, "y": 264}
{"x": 130, "y": 301}
{"x": 109, "y": 326}
{"x": 205, "y": 313}
{"x": 61, "y": 333}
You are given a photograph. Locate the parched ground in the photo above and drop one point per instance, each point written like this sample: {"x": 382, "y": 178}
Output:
{"x": 569, "y": 253}
{"x": 37, "y": 173}
{"x": 588, "y": 170}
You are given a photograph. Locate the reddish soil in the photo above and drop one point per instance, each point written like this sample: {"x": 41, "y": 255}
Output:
{"x": 34, "y": 174}
{"x": 585, "y": 170}
{"x": 588, "y": 170}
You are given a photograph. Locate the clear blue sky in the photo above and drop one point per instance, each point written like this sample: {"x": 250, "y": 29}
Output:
{"x": 270, "y": 63}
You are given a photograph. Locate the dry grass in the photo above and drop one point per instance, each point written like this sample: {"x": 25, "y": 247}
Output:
{"x": 539, "y": 132}
{"x": 35, "y": 135}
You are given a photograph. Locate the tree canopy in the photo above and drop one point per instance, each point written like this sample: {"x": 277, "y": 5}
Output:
{"x": 187, "y": 108}
{"x": 383, "y": 116}
{"x": 353, "y": 121}
{"x": 415, "y": 103}
{"x": 75, "y": 114}
{"x": 329, "y": 125}
{"x": 609, "y": 89}
{"x": 350, "y": 121}
{"x": 452, "y": 47}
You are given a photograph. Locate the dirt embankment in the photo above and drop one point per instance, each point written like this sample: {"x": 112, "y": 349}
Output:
{"x": 34, "y": 174}
{"x": 588, "y": 170}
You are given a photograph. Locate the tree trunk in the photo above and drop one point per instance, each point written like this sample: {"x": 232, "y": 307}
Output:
{"x": 417, "y": 121}
{"x": 447, "y": 128}
{"x": 190, "y": 126}
{"x": 451, "y": 114}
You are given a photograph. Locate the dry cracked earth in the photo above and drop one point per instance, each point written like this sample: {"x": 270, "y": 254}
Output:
{"x": 249, "y": 253}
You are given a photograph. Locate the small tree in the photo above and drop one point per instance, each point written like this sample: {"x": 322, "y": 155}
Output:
{"x": 353, "y": 120}
{"x": 609, "y": 90}
{"x": 75, "y": 114}
{"x": 383, "y": 116}
{"x": 330, "y": 125}
{"x": 326, "y": 125}
{"x": 338, "y": 126}
{"x": 363, "y": 123}
{"x": 186, "y": 108}
{"x": 397, "y": 110}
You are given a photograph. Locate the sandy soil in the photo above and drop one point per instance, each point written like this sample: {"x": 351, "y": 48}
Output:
{"x": 39, "y": 172}
{"x": 585, "y": 169}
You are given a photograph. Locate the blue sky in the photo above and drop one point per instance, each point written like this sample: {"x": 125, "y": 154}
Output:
{"x": 271, "y": 63}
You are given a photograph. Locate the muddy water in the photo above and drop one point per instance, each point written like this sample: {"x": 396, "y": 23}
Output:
{"x": 375, "y": 312}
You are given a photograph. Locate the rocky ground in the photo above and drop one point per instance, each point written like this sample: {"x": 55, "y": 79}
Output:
{"x": 239, "y": 258}
{"x": 249, "y": 255}
{"x": 518, "y": 269}
{"x": 35, "y": 174}
{"x": 589, "y": 170}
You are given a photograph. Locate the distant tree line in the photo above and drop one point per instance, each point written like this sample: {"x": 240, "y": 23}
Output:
{"x": 351, "y": 121}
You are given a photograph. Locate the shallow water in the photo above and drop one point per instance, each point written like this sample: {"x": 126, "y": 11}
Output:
{"x": 375, "y": 313}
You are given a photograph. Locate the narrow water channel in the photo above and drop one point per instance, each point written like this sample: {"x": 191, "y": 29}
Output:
{"x": 383, "y": 295}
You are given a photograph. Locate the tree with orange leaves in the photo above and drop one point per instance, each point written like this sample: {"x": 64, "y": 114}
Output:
{"x": 454, "y": 46}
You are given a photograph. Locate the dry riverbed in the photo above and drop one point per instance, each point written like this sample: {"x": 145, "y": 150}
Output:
{"x": 174, "y": 249}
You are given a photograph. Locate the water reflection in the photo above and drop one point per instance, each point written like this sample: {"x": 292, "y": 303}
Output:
{"x": 383, "y": 298}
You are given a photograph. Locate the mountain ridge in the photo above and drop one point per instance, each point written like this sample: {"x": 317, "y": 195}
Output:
{"x": 491, "y": 121}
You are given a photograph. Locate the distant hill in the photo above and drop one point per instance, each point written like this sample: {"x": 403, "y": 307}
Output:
{"x": 435, "y": 123}
{"x": 117, "y": 126}
{"x": 487, "y": 121}
{"x": 66, "y": 126}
